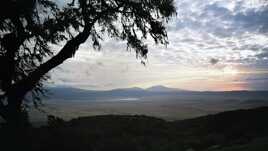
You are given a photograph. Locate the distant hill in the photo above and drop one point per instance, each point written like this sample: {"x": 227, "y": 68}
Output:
{"x": 160, "y": 88}
{"x": 69, "y": 93}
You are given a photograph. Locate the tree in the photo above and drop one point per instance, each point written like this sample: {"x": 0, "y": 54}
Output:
{"x": 30, "y": 28}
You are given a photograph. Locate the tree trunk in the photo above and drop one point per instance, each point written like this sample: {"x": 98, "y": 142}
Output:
{"x": 13, "y": 113}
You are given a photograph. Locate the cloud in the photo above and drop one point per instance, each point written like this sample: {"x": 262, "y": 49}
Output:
{"x": 230, "y": 30}
{"x": 214, "y": 61}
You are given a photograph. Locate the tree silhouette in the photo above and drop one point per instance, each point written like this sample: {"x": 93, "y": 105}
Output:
{"x": 30, "y": 28}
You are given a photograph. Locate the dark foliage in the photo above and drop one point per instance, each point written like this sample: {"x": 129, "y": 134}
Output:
{"x": 242, "y": 130}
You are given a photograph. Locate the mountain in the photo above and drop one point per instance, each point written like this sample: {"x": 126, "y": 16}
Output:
{"x": 69, "y": 93}
{"x": 129, "y": 89}
{"x": 160, "y": 88}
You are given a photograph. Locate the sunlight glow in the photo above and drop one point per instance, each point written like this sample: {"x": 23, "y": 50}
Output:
{"x": 230, "y": 71}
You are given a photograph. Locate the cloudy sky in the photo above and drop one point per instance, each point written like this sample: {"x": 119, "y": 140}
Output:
{"x": 214, "y": 45}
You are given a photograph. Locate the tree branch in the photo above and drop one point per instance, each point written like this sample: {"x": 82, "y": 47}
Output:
{"x": 23, "y": 86}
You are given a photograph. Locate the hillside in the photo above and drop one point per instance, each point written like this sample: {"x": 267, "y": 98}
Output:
{"x": 241, "y": 130}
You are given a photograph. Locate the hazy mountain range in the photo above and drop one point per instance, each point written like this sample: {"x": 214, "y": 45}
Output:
{"x": 157, "y": 101}
{"x": 69, "y": 93}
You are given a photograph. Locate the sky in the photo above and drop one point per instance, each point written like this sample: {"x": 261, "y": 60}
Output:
{"x": 214, "y": 45}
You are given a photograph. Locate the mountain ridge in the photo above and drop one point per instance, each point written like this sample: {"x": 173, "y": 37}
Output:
{"x": 159, "y": 88}
{"x": 70, "y": 93}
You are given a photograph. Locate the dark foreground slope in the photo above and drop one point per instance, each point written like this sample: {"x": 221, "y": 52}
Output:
{"x": 241, "y": 130}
